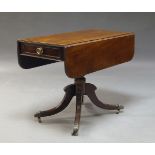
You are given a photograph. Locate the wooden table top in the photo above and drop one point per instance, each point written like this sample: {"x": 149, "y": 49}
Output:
{"x": 73, "y": 38}
{"x": 83, "y": 52}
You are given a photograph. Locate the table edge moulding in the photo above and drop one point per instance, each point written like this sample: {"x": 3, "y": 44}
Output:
{"x": 83, "y": 52}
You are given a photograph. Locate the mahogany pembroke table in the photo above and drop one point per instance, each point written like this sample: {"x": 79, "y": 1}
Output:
{"x": 83, "y": 52}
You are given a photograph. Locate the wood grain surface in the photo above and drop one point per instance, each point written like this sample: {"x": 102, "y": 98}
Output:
{"x": 84, "y": 51}
{"x": 71, "y": 38}
{"x": 98, "y": 55}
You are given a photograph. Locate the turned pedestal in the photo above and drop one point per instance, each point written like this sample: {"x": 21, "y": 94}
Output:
{"x": 83, "y": 52}
{"x": 78, "y": 89}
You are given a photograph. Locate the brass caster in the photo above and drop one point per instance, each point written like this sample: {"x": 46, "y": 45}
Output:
{"x": 119, "y": 108}
{"x": 38, "y": 116}
{"x": 118, "y": 111}
{"x": 39, "y": 120}
{"x": 75, "y": 130}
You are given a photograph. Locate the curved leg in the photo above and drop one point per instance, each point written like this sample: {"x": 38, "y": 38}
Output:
{"x": 77, "y": 117}
{"x": 69, "y": 93}
{"x": 90, "y": 91}
{"x": 80, "y": 89}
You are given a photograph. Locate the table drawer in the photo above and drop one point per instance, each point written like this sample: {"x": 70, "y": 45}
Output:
{"x": 43, "y": 51}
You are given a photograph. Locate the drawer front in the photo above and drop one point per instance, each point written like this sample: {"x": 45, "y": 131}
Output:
{"x": 42, "y": 51}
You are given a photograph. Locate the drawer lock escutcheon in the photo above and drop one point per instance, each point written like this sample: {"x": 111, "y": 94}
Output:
{"x": 39, "y": 51}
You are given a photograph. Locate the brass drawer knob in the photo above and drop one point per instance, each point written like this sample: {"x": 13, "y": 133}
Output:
{"x": 39, "y": 51}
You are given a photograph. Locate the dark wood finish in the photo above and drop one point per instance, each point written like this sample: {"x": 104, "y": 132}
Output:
{"x": 78, "y": 89}
{"x": 96, "y": 55}
{"x": 29, "y": 61}
{"x": 74, "y": 38}
{"x": 69, "y": 93}
{"x": 90, "y": 92}
{"x": 49, "y": 52}
{"x": 83, "y": 52}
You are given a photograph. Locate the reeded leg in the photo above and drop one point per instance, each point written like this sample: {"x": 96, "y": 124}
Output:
{"x": 80, "y": 87}
{"x": 69, "y": 93}
{"x": 77, "y": 117}
{"x": 90, "y": 91}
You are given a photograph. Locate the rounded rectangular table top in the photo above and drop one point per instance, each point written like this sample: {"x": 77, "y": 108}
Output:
{"x": 83, "y": 52}
{"x": 78, "y": 37}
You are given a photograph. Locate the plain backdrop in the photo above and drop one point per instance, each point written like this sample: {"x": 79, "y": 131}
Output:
{"x": 24, "y": 92}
